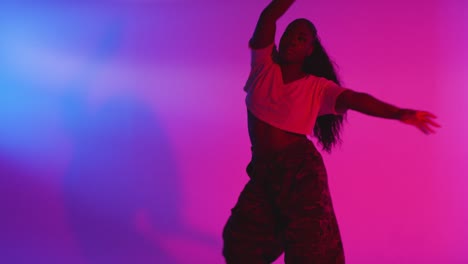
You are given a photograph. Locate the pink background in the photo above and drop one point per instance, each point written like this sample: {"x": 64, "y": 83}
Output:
{"x": 123, "y": 128}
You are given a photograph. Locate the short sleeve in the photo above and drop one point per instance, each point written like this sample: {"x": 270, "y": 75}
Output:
{"x": 262, "y": 56}
{"x": 331, "y": 91}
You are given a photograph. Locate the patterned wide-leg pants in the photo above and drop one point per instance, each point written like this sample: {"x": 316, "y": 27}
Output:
{"x": 285, "y": 207}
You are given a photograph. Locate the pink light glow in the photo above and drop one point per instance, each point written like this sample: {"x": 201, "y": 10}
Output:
{"x": 123, "y": 134}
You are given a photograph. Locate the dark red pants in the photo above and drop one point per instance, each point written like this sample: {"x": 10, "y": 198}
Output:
{"x": 285, "y": 207}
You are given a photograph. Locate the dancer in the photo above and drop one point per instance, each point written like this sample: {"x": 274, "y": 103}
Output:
{"x": 291, "y": 93}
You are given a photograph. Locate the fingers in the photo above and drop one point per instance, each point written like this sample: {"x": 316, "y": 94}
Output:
{"x": 432, "y": 123}
{"x": 427, "y": 117}
{"x": 427, "y": 114}
{"x": 423, "y": 121}
{"x": 426, "y": 129}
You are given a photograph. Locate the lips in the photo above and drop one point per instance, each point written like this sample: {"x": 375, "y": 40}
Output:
{"x": 289, "y": 51}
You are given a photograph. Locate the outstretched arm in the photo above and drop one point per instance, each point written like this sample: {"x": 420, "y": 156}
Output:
{"x": 264, "y": 33}
{"x": 369, "y": 105}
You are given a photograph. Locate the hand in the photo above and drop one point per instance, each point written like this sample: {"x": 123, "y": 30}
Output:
{"x": 420, "y": 119}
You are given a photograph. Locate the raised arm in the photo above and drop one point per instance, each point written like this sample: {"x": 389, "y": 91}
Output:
{"x": 264, "y": 33}
{"x": 369, "y": 105}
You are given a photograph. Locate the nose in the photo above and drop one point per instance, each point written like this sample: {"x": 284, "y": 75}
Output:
{"x": 293, "y": 42}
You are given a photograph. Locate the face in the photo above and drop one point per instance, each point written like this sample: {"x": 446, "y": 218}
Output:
{"x": 296, "y": 43}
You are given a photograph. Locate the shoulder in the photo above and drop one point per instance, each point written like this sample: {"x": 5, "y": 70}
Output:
{"x": 264, "y": 55}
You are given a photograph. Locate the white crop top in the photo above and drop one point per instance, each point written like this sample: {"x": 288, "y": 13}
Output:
{"x": 292, "y": 107}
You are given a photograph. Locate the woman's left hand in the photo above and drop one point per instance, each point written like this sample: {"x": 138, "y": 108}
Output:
{"x": 420, "y": 119}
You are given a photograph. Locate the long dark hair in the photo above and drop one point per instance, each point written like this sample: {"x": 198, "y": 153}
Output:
{"x": 327, "y": 128}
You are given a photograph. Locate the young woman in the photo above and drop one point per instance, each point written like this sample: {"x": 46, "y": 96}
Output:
{"x": 291, "y": 93}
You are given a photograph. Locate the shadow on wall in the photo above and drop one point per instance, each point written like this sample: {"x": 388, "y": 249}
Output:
{"x": 121, "y": 190}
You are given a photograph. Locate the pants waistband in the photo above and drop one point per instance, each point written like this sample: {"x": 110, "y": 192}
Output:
{"x": 295, "y": 150}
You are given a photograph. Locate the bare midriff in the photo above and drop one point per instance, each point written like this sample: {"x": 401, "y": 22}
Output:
{"x": 265, "y": 137}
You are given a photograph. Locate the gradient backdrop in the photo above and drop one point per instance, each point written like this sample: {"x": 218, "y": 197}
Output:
{"x": 123, "y": 128}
